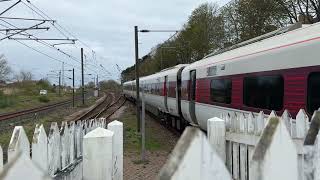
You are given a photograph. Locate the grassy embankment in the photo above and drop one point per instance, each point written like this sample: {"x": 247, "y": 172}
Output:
{"x": 25, "y": 95}
{"x": 132, "y": 140}
{"x": 56, "y": 116}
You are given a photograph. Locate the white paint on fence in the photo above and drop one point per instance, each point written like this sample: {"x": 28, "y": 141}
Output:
{"x": 54, "y": 149}
{"x": 311, "y": 149}
{"x": 260, "y": 123}
{"x": 286, "y": 117}
{"x": 78, "y": 139}
{"x": 65, "y": 145}
{"x": 251, "y": 123}
{"x": 274, "y": 151}
{"x": 72, "y": 150}
{"x": 22, "y": 167}
{"x": 117, "y": 128}
{"x": 40, "y": 147}
{"x": 217, "y": 136}
{"x": 18, "y": 142}
{"x": 194, "y": 158}
{"x": 302, "y": 124}
{"x": 97, "y": 154}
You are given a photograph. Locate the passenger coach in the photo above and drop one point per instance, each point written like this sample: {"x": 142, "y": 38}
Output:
{"x": 276, "y": 73}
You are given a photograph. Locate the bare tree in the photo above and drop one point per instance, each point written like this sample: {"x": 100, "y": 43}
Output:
{"x": 23, "y": 76}
{"x": 5, "y": 69}
{"x": 307, "y": 11}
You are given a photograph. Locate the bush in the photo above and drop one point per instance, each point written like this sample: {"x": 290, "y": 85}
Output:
{"x": 44, "y": 99}
{"x": 43, "y": 84}
{"x": 6, "y": 101}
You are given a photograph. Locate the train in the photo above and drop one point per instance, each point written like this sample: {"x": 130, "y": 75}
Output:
{"x": 277, "y": 71}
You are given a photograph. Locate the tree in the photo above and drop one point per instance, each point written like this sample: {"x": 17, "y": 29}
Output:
{"x": 5, "y": 69}
{"x": 307, "y": 11}
{"x": 109, "y": 85}
{"x": 24, "y": 76}
{"x": 246, "y": 19}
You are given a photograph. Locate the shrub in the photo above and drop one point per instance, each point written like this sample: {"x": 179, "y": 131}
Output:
{"x": 44, "y": 99}
{"x": 6, "y": 101}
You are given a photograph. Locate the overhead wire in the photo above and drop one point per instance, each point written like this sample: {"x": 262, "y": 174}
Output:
{"x": 63, "y": 31}
{"x": 44, "y": 42}
{"x": 44, "y": 15}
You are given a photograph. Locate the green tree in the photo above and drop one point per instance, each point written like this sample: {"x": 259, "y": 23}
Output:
{"x": 246, "y": 19}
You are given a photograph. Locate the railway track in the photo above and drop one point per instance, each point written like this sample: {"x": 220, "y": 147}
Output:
{"x": 115, "y": 109}
{"x": 8, "y": 116}
{"x": 105, "y": 109}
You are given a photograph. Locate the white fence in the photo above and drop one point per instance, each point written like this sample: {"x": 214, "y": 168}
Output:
{"x": 253, "y": 147}
{"x": 59, "y": 155}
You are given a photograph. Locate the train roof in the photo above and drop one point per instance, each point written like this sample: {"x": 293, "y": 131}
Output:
{"x": 165, "y": 72}
{"x": 271, "y": 43}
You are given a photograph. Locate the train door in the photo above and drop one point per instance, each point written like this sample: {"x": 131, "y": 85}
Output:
{"x": 192, "y": 95}
{"x": 165, "y": 90}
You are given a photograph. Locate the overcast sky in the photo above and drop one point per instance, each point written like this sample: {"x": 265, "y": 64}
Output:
{"x": 105, "y": 26}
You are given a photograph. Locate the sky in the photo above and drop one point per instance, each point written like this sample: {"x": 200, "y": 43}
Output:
{"x": 105, "y": 27}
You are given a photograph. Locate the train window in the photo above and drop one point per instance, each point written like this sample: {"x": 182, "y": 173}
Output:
{"x": 313, "y": 101}
{"x": 172, "y": 89}
{"x": 220, "y": 90}
{"x": 265, "y": 92}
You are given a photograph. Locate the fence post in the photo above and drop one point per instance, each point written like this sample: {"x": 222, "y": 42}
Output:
{"x": 302, "y": 123}
{"x": 217, "y": 136}
{"x": 311, "y": 165}
{"x": 18, "y": 142}
{"x": 275, "y": 155}
{"x": 72, "y": 151}
{"x": 22, "y": 167}
{"x": 65, "y": 145}
{"x": 78, "y": 138}
{"x": 97, "y": 154}
{"x": 194, "y": 158}
{"x": 40, "y": 147}
{"x": 54, "y": 149}
{"x": 117, "y": 128}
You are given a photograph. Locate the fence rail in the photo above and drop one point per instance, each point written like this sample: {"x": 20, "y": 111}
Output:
{"x": 250, "y": 147}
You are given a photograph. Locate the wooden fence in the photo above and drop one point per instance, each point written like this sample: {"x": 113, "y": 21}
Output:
{"x": 252, "y": 146}
{"x": 59, "y": 155}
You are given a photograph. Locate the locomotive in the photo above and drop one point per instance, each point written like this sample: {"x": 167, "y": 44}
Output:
{"x": 276, "y": 71}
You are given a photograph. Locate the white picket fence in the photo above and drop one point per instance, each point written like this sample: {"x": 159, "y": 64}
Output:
{"x": 251, "y": 147}
{"x": 59, "y": 155}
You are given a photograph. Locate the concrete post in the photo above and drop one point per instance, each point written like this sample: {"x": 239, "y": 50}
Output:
{"x": 117, "y": 128}
{"x": 217, "y": 136}
{"x": 97, "y": 154}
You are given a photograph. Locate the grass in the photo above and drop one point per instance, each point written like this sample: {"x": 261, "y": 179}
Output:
{"x": 55, "y": 116}
{"x": 132, "y": 141}
{"x": 26, "y": 95}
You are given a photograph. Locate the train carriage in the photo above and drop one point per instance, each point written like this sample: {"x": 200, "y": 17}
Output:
{"x": 274, "y": 73}
{"x": 277, "y": 73}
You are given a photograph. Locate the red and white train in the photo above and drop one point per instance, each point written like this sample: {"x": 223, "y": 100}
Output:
{"x": 276, "y": 73}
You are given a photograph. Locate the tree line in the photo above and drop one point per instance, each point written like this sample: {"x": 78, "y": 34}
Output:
{"x": 211, "y": 28}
